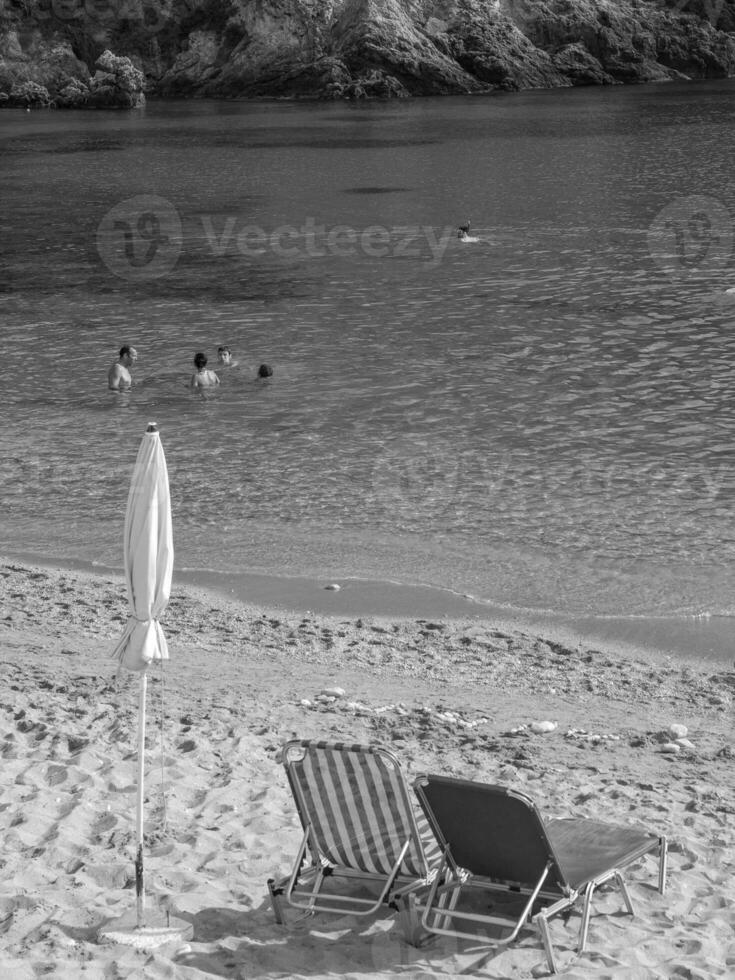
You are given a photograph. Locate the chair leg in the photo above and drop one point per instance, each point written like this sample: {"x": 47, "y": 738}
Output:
{"x": 543, "y": 926}
{"x": 586, "y": 909}
{"x": 275, "y": 896}
{"x": 446, "y": 921}
{"x": 626, "y": 894}
{"x": 314, "y": 895}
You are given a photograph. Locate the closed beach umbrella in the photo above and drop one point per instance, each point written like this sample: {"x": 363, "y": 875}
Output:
{"x": 149, "y": 556}
{"x": 149, "y": 560}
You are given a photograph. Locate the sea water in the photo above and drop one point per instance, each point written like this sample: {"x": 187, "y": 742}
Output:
{"x": 541, "y": 417}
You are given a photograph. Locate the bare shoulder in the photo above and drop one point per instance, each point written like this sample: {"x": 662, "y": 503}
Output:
{"x": 114, "y": 375}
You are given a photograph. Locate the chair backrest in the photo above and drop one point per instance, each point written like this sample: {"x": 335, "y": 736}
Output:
{"x": 492, "y": 831}
{"x": 357, "y": 803}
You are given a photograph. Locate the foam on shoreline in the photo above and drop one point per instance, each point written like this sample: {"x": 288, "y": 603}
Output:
{"x": 693, "y": 639}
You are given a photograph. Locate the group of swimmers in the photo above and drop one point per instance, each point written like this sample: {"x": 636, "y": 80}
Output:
{"x": 204, "y": 378}
{"x": 119, "y": 377}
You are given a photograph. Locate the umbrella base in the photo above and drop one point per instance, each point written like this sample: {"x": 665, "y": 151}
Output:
{"x": 159, "y": 928}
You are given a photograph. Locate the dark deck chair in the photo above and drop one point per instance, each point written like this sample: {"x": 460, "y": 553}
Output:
{"x": 493, "y": 839}
{"x": 360, "y": 828}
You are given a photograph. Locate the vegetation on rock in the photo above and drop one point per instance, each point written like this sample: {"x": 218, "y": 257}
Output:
{"x": 349, "y": 48}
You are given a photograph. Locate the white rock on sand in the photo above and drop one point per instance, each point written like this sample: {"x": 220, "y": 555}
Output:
{"x": 220, "y": 820}
{"x": 543, "y": 727}
{"x": 333, "y": 692}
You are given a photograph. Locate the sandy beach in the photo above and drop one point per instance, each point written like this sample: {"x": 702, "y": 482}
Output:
{"x": 447, "y": 695}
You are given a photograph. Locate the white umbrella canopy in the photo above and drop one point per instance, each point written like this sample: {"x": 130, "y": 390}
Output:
{"x": 149, "y": 556}
{"x": 149, "y": 559}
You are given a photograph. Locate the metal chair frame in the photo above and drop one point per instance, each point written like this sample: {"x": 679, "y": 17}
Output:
{"x": 548, "y": 891}
{"x": 306, "y": 887}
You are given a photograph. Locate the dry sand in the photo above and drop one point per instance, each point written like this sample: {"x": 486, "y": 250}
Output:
{"x": 446, "y": 695}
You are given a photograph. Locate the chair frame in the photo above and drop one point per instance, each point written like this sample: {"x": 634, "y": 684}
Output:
{"x": 305, "y": 888}
{"x": 549, "y": 895}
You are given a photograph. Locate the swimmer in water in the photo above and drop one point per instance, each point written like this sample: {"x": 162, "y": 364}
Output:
{"x": 119, "y": 377}
{"x": 224, "y": 356}
{"x": 265, "y": 371}
{"x": 203, "y": 378}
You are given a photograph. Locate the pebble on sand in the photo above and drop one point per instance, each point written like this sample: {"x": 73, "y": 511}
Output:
{"x": 542, "y": 727}
{"x": 333, "y": 692}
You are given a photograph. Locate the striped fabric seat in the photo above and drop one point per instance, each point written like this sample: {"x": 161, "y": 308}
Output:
{"x": 360, "y": 826}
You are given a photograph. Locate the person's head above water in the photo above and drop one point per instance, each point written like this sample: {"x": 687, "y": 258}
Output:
{"x": 224, "y": 357}
{"x": 200, "y": 361}
{"x": 265, "y": 371}
{"x": 128, "y": 354}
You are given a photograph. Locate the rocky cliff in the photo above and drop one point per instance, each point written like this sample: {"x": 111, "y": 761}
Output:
{"x": 49, "y": 49}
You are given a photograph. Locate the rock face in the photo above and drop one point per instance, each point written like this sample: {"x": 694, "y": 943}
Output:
{"x": 349, "y": 48}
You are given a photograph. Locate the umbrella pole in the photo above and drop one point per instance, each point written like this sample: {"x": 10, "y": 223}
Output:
{"x": 161, "y": 927}
{"x": 139, "y": 882}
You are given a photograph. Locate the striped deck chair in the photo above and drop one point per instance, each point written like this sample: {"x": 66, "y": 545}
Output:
{"x": 360, "y": 828}
{"x": 494, "y": 842}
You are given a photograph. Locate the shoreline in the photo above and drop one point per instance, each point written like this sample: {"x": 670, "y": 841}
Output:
{"x": 462, "y": 655}
{"x": 703, "y": 640}
{"x": 459, "y": 697}
{"x": 154, "y": 99}
{"x": 647, "y": 682}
